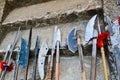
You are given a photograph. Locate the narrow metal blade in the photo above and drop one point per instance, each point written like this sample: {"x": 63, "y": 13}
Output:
{"x": 71, "y": 41}
{"x": 109, "y": 25}
{"x": 89, "y": 29}
{"x": 23, "y": 53}
{"x": 58, "y": 36}
{"x": 54, "y": 38}
{"x": 41, "y": 59}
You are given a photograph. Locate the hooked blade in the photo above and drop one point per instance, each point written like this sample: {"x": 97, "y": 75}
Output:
{"x": 41, "y": 59}
{"x": 90, "y": 28}
{"x": 23, "y": 53}
{"x": 71, "y": 41}
{"x": 109, "y": 25}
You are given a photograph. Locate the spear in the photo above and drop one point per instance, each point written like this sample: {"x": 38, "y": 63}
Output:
{"x": 11, "y": 51}
{"x": 50, "y": 58}
{"x": 28, "y": 51}
{"x": 102, "y": 53}
{"x": 35, "y": 59}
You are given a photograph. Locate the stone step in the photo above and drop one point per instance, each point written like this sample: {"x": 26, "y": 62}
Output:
{"x": 45, "y": 32}
{"x": 50, "y": 9}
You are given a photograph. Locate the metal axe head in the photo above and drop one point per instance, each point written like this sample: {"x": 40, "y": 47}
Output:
{"x": 109, "y": 21}
{"x": 57, "y": 36}
{"x": 71, "y": 41}
{"x": 90, "y": 28}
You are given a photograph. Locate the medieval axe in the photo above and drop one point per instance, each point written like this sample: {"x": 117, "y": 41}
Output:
{"x": 91, "y": 34}
{"x": 72, "y": 42}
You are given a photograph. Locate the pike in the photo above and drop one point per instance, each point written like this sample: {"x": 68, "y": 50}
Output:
{"x": 50, "y": 58}
{"x": 35, "y": 58}
{"x": 11, "y": 51}
{"x": 91, "y": 34}
{"x": 41, "y": 59}
{"x": 58, "y": 40}
{"x": 71, "y": 45}
{"x": 103, "y": 56}
{"x": 28, "y": 52}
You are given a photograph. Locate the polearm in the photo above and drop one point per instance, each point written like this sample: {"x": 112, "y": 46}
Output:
{"x": 74, "y": 40}
{"x": 50, "y": 57}
{"x": 57, "y": 69}
{"x": 35, "y": 59}
{"x": 80, "y": 51}
{"x": 91, "y": 34}
{"x": 11, "y": 51}
{"x": 17, "y": 66}
{"x": 5, "y": 57}
{"x": 28, "y": 51}
{"x": 93, "y": 61}
{"x": 103, "y": 55}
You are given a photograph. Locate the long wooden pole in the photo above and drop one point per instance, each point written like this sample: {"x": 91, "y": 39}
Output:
{"x": 104, "y": 63}
{"x": 57, "y": 70}
{"x": 81, "y": 56}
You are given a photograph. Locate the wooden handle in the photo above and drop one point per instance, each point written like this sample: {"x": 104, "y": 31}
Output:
{"x": 104, "y": 64}
{"x": 84, "y": 75}
{"x": 49, "y": 71}
{"x": 81, "y": 57}
{"x": 49, "y": 75}
{"x": 57, "y": 71}
{"x": 93, "y": 69}
{"x": 1, "y": 72}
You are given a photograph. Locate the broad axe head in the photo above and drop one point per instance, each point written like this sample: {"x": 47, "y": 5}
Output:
{"x": 71, "y": 41}
{"x": 90, "y": 29}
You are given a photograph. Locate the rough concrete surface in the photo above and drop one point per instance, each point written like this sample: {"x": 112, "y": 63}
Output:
{"x": 50, "y": 9}
{"x": 2, "y": 5}
{"x": 69, "y": 69}
{"x": 45, "y": 32}
{"x": 111, "y": 9}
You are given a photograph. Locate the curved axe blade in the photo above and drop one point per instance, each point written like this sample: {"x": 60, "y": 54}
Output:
{"x": 41, "y": 59}
{"x": 71, "y": 40}
{"x": 90, "y": 28}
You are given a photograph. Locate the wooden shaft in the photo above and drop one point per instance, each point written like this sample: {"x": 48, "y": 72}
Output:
{"x": 48, "y": 75}
{"x": 93, "y": 69}
{"x": 17, "y": 68}
{"x": 1, "y": 72}
{"x": 57, "y": 63}
{"x": 104, "y": 63}
{"x": 57, "y": 71}
{"x": 81, "y": 57}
